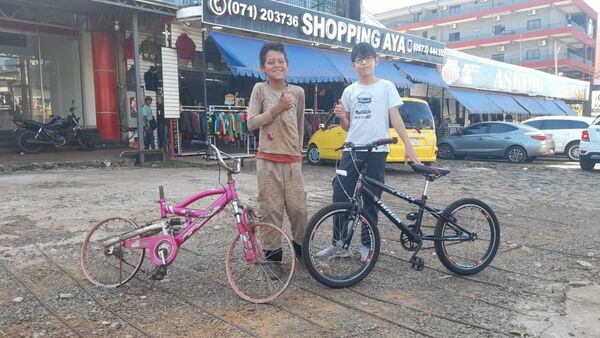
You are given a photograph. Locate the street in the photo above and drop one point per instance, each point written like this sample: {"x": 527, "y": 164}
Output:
{"x": 543, "y": 282}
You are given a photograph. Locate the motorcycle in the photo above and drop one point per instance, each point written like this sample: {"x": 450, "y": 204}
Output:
{"x": 57, "y": 132}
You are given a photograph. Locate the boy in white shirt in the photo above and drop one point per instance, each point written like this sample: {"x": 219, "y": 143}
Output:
{"x": 365, "y": 111}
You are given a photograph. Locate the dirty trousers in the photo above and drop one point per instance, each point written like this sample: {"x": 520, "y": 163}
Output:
{"x": 281, "y": 186}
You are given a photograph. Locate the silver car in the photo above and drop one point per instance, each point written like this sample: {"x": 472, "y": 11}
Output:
{"x": 517, "y": 143}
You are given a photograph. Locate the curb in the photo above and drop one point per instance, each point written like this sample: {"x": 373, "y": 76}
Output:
{"x": 100, "y": 164}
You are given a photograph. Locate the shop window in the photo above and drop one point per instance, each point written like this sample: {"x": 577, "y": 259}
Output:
{"x": 534, "y": 24}
{"x": 533, "y": 54}
{"x": 498, "y": 57}
{"x": 453, "y": 10}
{"x": 454, "y": 36}
{"x": 14, "y": 40}
{"x": 498, "y": 30}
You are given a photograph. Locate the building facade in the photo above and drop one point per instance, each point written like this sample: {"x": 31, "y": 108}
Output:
{"x": 557, "y": 37}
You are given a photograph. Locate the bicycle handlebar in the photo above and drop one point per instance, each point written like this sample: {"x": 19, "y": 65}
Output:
{"x": 369, "y": 146}
{"x": 220, "y": 154}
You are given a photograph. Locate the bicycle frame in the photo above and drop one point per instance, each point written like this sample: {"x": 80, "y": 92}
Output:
{"x": 364, "y": 183}
{"x": 194, "y": 220}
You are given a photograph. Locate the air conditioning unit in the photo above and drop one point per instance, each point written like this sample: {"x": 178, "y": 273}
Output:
{"x": 500, "y": 48}
{"x": 453, "y": 26}
{"x": 497, "y": 18}
{"x": 532, "y": 12}
{"x": 444, "y": 8}
{"x": 569, "y": 17}
{"x": 542, "y": 43}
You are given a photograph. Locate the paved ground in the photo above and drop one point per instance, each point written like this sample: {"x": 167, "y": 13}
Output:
{"x": 544, "y": 281}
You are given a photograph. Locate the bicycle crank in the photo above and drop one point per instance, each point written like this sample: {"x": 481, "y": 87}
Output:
{"x": 417, "y": 263}
{"x": 408, "y": 244}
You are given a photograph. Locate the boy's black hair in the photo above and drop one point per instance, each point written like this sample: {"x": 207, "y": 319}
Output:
{"x": 271, "y": 46}
{"x": 147, "y": 98}
{"x": 362, "y": 50}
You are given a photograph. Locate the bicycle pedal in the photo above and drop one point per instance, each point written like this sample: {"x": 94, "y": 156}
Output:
{"x": 417, "y": 263}
{"x": 159, "y": 272}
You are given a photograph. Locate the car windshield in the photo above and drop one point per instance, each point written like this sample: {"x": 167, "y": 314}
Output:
{"x": 416, "y": 115}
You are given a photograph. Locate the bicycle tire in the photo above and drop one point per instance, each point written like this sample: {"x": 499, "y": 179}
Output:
{"x": 320, "y": 267}
{"x": 92, "y": 246}
{"x": 488, "y": 222}
{"x": 262, "y": 272}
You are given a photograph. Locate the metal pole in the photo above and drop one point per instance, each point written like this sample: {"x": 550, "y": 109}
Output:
{"x": 316, "y": 97}
{"x": 138, "y": 89}
{"x": 204, "y": 79}
{"x": 555, "y": 59}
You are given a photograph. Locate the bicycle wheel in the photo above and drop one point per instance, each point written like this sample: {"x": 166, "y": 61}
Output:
{"x": 323, "y": 255}
{"x": 266, "y": 279}
{"x": 469, "y": 256}
{"x": 114, "y": 265}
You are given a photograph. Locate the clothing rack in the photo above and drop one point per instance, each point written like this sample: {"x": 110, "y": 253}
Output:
{"x": 248, "y": 138}
{"x": 182, "y": 148}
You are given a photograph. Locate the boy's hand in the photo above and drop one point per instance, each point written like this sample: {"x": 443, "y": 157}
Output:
{"x": 411, "y": 156}
{"x": 339, "y": 110}
{"x": 285, "y": 103}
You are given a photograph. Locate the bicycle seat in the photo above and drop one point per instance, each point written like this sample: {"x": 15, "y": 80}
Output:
{"x": 430, "y": 172}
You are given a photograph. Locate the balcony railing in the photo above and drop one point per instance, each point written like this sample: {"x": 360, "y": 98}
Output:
{"x": 514, "y": 31}
{"x": 446, "y": 13}
{"x": 547, "y": 57}
{"x": 181, "y": 3}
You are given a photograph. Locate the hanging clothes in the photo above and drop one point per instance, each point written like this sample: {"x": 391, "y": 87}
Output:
{"x": 128, "y": 48}
{"x": 130, "y": 79}
{"x": 153, "y": 78}
{"x": 185, "y": 46}
{"x": 150, "y": 51}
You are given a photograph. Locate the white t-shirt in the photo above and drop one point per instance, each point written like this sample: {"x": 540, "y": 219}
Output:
{"x": 369, "y": 111}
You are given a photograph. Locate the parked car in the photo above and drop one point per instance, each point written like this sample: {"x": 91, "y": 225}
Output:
{"x": 515, "y": 142}
{"x": 589, "y": 148}
{"x": 419, "y": 123}
{"x": 565, "y": 130}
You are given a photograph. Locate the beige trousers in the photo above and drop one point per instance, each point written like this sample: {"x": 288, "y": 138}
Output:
{"x": 281, "y": 187}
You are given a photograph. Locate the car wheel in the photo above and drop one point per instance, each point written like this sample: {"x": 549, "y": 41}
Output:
{"x": 313, "y": 155}
{"x": 445, "y": 151}
{"x": 572, "y": 151}
{"x": 586, "y": 165}
{"x": 516, "y": 154}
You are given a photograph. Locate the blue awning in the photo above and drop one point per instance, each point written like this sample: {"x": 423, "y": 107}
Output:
{"x": 475, "y": 102}
{"x": 564, "y": 107}
{"x": 507, "y": 104}
{"x": 549, "y": 107}
{"x": 530, "y": 104}
{"x": 306, "y": 65}
{"x": 422, "y": 74}
{"x": 384, "y": 70}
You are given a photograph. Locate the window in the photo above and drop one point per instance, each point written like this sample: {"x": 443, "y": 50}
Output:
{"x": 534, "y": 24}
{"x": 578, "y": 125}
{"x": 453, "y": 10}
{"x": 497, "y": 30}
{"x": 475, "y": 129}
{"x": 14, "y": 40}
{"x": 498, "y": 128}
{"x": 424, "y": 34}
{"x": 535, "y": 124}
{"x": 433, "y": 37}
{"x": 416, "y": 115}
{"x": 556, "y": 124}
{"x": 454, "y": 36}
{"x": 533, "y": 54}
{"x": 498, "y": 57}
{"x": 433, "y": 11}
{"x": 418, "y": 17}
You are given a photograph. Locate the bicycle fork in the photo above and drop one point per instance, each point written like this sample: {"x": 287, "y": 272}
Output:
{"x": 248, "y": 239}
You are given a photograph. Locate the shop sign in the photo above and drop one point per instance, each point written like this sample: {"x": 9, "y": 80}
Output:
{"x": 595, "y": 102}
{"x": 464, "y": 70}
{"x": 283, "y": 20}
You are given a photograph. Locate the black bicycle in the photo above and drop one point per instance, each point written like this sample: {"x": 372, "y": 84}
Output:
{"x": 466, "y": 235}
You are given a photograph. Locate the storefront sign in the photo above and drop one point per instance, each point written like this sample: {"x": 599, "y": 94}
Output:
{"x": 595, "y": 102}
{"x": 280, "y": 19}
{"x": 464, "y": 70}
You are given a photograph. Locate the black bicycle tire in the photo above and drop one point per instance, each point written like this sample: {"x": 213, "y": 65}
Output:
{"x": 308, "y": 262}
{"x": 490, "y": 252}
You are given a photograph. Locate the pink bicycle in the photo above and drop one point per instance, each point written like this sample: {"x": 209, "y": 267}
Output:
{"x": 113, "y": 250}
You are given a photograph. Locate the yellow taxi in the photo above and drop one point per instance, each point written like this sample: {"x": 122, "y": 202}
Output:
{"x": 419, "y": 123}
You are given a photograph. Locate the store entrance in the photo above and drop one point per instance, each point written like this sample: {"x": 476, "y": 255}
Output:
{"x": 39, "y": 77}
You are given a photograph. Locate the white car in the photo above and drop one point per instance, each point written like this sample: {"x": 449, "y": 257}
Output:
{"x": 565, "y": 130}
{"x": 589, "y": 149}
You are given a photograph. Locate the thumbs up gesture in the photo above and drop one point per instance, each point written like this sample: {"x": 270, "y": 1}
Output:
{"x": 285, "y": 103}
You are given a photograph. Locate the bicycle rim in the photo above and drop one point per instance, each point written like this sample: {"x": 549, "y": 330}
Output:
{"x": 110, "y": 266}
{"x": 468, "y": 256}
{"x": 325, "y": 258}
{"x": 266, "y": 279}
